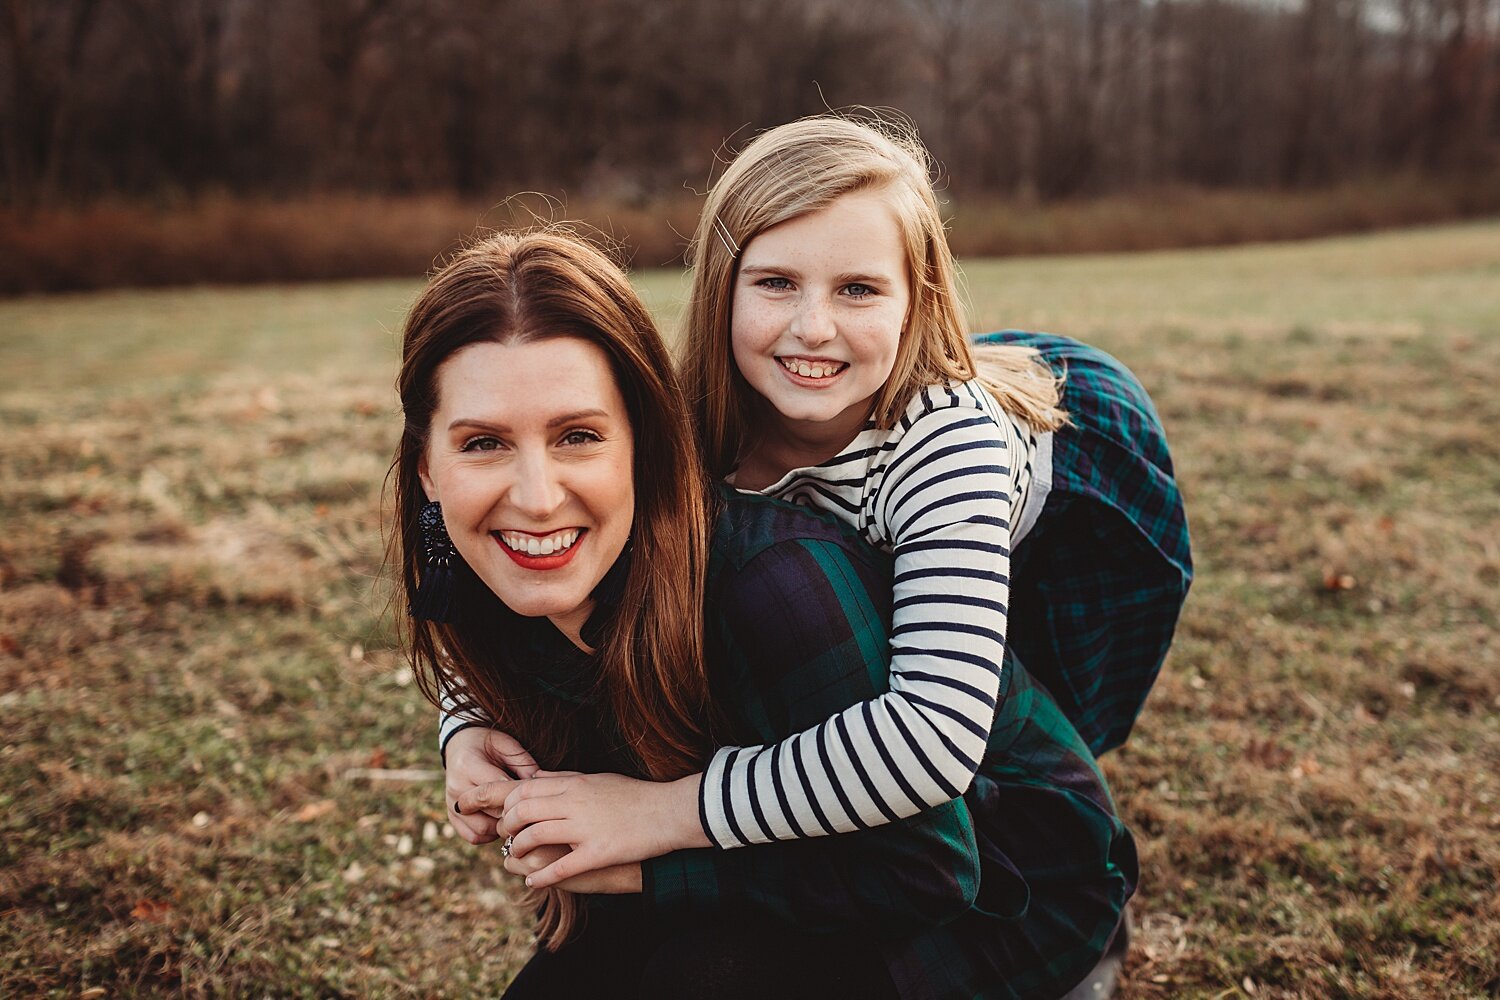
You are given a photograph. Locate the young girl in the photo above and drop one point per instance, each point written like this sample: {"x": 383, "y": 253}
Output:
{"x": 828, "y": 365}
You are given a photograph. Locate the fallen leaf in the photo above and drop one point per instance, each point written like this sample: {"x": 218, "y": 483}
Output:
{"x": 9, "y": 645}
{"x": 1335, "y": 581}
{"x": 315, "y": 810}
{"x": 378, "y": 758}
{"x": 153, "y": 911}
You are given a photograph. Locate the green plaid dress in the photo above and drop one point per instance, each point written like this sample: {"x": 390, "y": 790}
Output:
{"x": 1098, "y": 583}
{"x": 1012, "y": 890}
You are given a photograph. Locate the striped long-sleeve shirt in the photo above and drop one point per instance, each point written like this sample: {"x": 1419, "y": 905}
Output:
{"x": 944, "y": 491}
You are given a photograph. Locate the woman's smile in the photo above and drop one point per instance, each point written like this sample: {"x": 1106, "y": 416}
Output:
{"x": 540, "y": 552}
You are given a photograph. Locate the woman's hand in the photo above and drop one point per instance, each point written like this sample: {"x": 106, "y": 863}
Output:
{"x": 469, "y": 765}
{"x": 607, "y": 819}
{"x": 613, "y": 880}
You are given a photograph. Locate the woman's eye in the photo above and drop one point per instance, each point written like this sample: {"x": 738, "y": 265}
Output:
{"x": 581, "y": 437}
{"x": 481, "y": 444}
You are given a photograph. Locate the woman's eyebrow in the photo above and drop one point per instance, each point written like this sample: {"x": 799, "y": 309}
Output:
{"x": 557, "y": 421}
{"x": 576, "y": 415}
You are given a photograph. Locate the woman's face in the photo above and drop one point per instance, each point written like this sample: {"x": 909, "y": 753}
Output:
{"x": 530, "y": 453}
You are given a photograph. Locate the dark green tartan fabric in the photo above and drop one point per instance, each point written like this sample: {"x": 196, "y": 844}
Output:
{"x": 1099, "y": 582}
{"x": 1011, "y": 891}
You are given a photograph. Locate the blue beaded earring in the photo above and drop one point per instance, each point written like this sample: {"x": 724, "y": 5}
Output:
{"x": 434, "y": 599}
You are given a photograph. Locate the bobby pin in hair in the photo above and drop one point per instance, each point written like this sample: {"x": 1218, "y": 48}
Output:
{"x": 723, "y": 231}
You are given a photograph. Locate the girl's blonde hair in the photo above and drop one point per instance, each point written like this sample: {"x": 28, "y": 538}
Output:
{"x": 802, "y": 167}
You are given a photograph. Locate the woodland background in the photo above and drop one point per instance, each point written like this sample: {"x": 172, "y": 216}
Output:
{"x": 162, "y": 141}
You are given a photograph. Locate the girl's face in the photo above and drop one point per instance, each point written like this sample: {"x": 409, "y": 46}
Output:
{"x": 819, "y": 305}
{"x": 530, "y": 453}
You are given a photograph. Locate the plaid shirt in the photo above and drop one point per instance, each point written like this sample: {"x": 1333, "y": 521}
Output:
{"x": 1098, "y": 583}
{"x": 1012, "y": 890}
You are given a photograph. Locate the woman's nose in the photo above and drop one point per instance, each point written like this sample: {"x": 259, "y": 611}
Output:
{"x": 538, "y": 488}
{"x": 813, "y": 324}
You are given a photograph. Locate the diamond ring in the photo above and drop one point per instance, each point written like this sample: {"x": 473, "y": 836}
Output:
{"x": 505, "y": 847}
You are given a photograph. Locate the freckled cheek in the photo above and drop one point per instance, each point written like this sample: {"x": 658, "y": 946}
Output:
{"x": 753, "y": 330}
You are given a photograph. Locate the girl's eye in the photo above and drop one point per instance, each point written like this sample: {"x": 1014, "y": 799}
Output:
{"x": 577, "y": 437}
{"x": 775, "y": 284}
{"x": 858, "y": 291}
{"x": 481, "y": 443}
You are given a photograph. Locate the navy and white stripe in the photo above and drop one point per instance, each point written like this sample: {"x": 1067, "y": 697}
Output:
{"x": 455, "y": 716}
{"x": 940, "y": 491}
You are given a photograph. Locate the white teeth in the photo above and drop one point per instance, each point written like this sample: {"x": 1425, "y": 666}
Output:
{"x": 531, "y": 545}
{"x": 814, "y": 369}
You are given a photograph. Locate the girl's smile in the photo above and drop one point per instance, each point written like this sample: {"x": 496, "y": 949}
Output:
{"x": 817, "y": 371}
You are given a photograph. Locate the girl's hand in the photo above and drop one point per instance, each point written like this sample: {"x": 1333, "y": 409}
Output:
{"x": 613, "y": 880}
{"x": 469, "y": 765}
{"x": 607, "y": 819}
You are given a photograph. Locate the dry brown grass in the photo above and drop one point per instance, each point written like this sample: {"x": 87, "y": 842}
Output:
{"x": 193, "y": 649}
{"x": 228, "y": 240}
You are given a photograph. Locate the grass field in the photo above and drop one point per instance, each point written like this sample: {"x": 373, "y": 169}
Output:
{"x": 197, "y": 671}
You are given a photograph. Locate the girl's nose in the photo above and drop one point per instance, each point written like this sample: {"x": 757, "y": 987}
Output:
{"x": 538, "y": 489}
{"x": 813, "y": 324}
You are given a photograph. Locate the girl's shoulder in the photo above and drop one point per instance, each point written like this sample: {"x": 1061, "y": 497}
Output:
{"x": 950, "y": 396}
{"x": 965, "y": 408}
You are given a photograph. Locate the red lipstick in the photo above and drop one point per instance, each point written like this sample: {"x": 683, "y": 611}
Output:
{"x": 556, "y": 560}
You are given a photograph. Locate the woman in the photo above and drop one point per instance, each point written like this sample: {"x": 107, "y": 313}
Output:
{"x": 575, "y": 580}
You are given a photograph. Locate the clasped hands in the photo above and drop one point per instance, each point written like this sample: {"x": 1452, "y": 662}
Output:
{"x": 579, "y": 832}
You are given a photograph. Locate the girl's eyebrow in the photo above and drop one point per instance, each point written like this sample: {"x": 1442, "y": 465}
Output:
{"x": 848, "y": 278}
{"x": 767, "y": 270}
{"x": 863, "y": 278}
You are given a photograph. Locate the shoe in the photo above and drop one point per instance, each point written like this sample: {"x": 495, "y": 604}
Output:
{"x": 1100, "y": 984}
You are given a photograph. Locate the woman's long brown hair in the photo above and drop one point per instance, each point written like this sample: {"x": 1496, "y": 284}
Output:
{"x": 541, "y": 285}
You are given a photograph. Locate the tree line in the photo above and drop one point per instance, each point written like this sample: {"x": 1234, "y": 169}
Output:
{"x": 1037, "y": 99}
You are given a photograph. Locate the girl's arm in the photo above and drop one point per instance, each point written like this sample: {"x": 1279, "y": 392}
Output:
{"x": 945, "y": 502}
